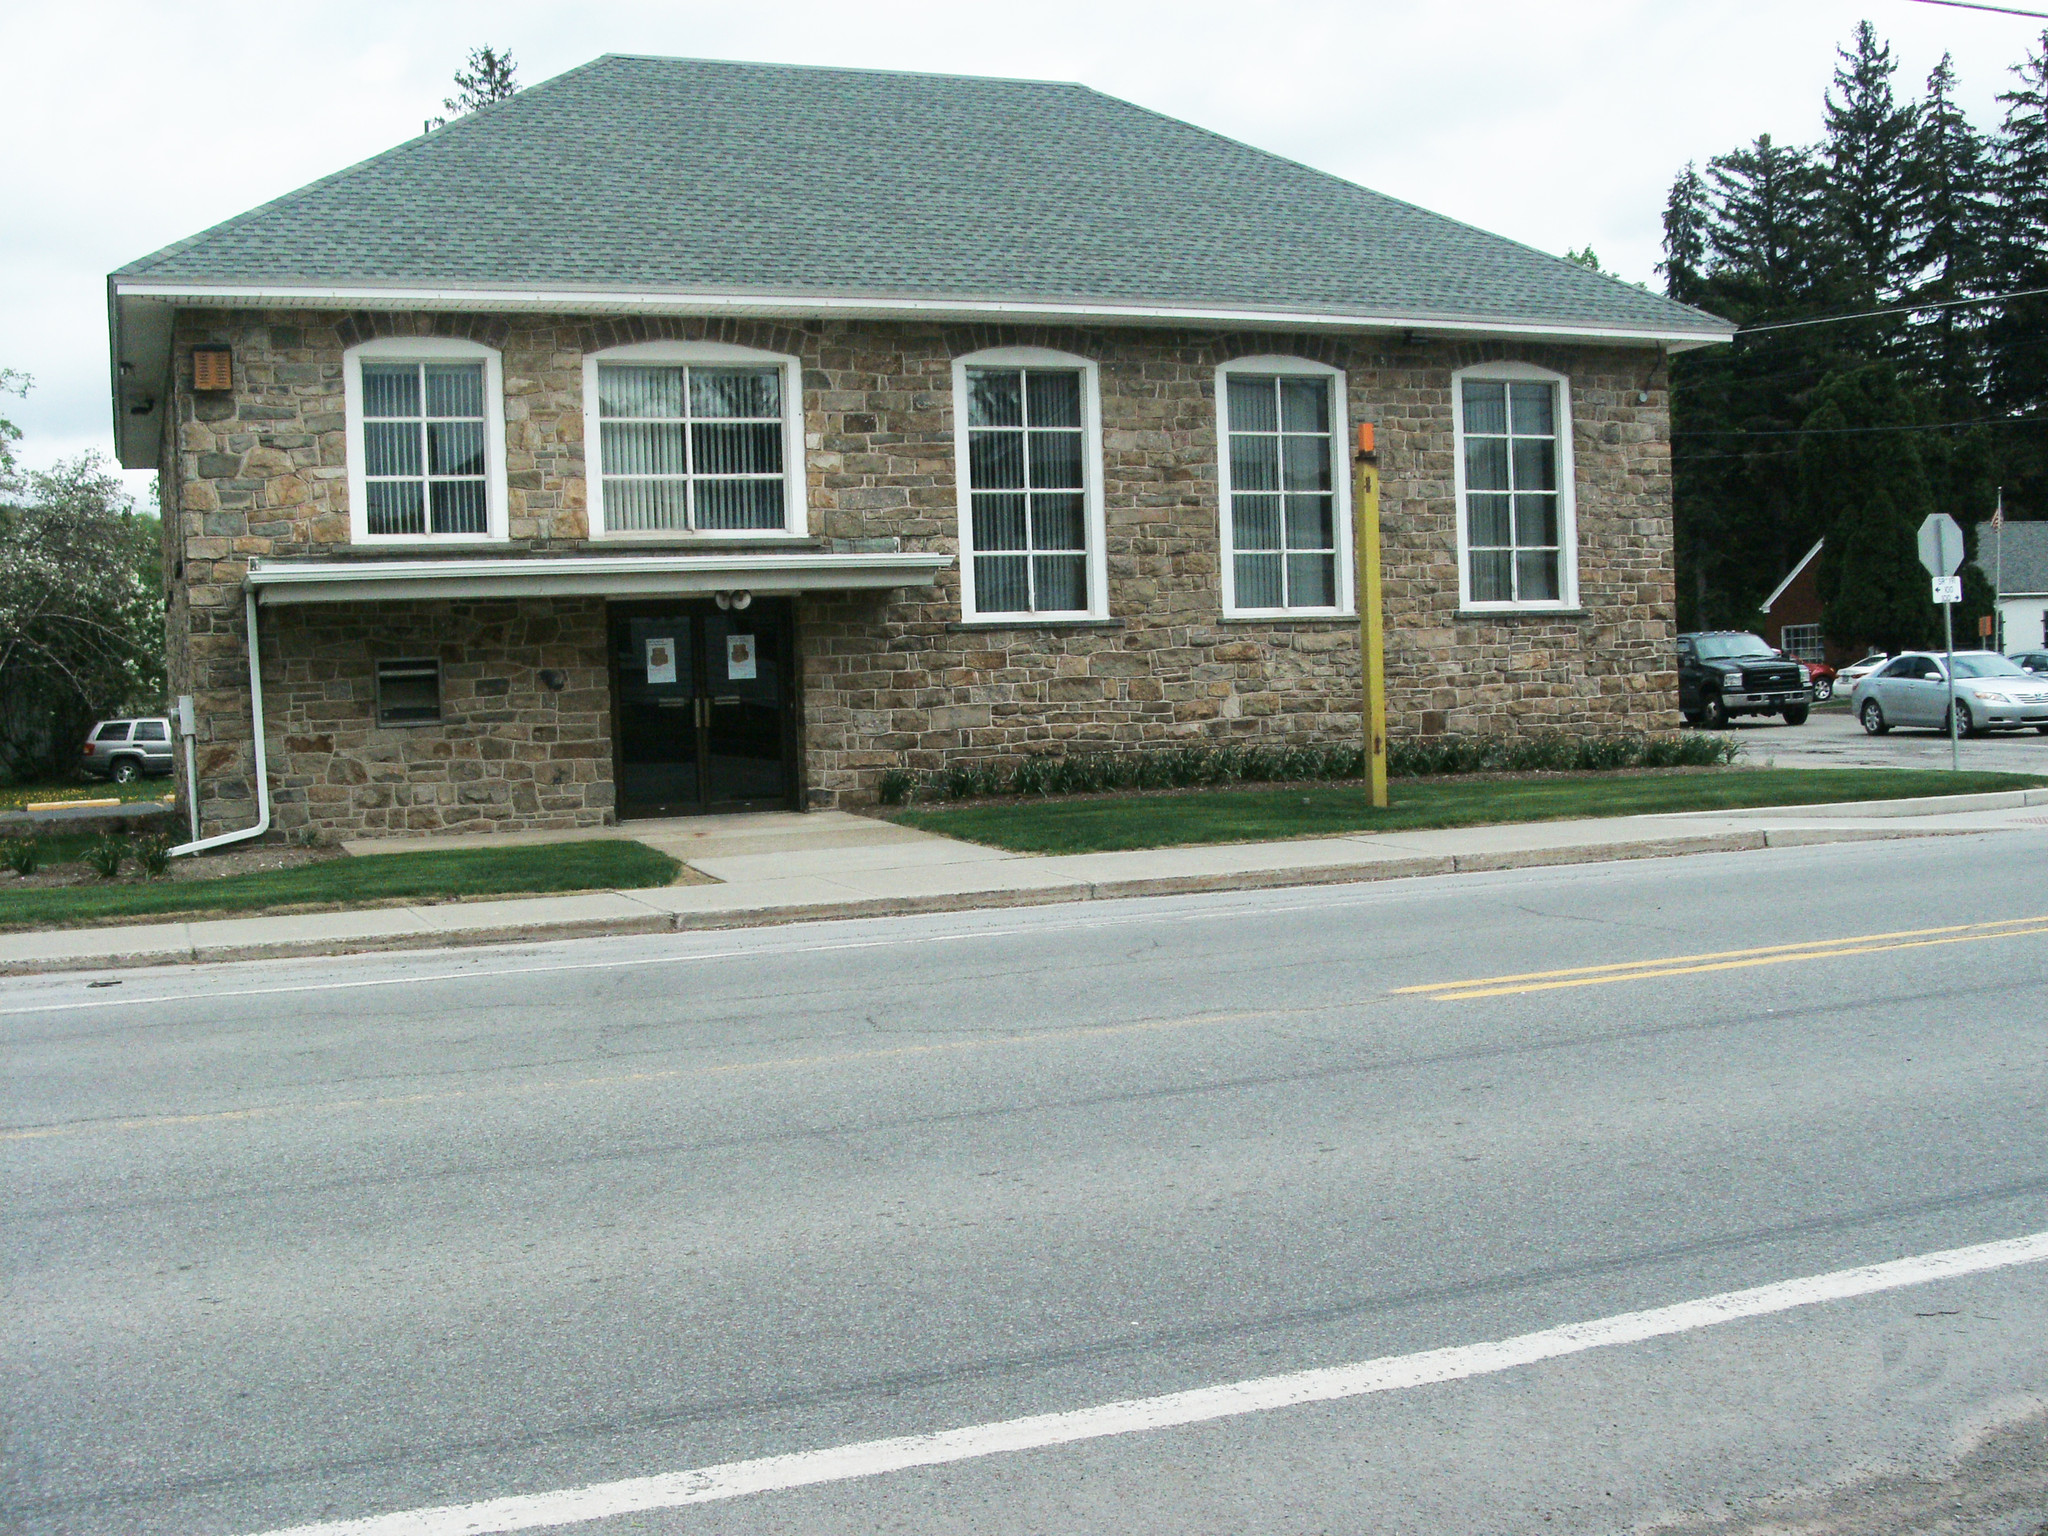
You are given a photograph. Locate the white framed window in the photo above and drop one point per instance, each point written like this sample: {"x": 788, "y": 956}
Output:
{"x": 1283, "y": 492}
{"x": 694, "y": 440}
{"x": 1802, "y": 642}
{"x": 1028, "y": 454}
{"x": 426, "y": 441}
{"x": 1517, "y": 524}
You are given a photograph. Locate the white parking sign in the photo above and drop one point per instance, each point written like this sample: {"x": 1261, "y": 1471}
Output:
{"x": 1948, "y": 589}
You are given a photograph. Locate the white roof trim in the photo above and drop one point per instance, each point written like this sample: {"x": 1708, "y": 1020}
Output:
{"x": 344, "y": 581}
{"x": 1793, "y": 575}
{"x": 580, "y": 300}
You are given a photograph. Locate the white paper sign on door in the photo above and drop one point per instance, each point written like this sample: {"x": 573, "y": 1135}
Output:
{"x": 740, "y": 658}
{"x": 661, "y": 661}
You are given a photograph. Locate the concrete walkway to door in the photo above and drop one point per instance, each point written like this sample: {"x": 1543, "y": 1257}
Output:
{"x": 778, "y": 857}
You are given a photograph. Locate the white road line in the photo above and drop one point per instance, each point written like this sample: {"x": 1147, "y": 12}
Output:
{"x": 1393, "y": 1373}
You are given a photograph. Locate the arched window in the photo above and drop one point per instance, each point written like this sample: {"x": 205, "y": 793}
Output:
{"x": 1517, "y": 528}
{"x": 1283, "y": 491}
{"x": 426, "y": 441}
{"x": 1028, "y": 454}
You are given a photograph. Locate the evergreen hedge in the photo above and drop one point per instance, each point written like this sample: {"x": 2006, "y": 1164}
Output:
{"x": 1197, "y": 766}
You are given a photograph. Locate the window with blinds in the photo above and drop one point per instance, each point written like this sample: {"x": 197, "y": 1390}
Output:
{"x": 1283, "y": 507}
{"x": 1513, "y": 542}
{"x": 1025, "y": 466}
{"x": 691, "y": 448}
{"x": 423, "y": 449}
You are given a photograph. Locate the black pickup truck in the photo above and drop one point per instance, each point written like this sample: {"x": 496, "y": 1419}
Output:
{"x": 1724, "y": 673}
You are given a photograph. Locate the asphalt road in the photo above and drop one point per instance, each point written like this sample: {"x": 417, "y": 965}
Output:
{"x": 306, "y": 1241}
{"x": 1831, "y": 738}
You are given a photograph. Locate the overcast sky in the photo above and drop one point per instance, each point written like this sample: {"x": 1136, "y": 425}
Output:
{"x": 1556, "y": 122}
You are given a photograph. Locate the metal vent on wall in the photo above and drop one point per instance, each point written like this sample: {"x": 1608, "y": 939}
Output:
{"x": 213, "y": 368}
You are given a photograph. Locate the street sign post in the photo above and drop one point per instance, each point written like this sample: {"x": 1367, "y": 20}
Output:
{"x": 1941, "y": 552}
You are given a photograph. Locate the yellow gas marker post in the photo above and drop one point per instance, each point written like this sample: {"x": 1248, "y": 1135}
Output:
{"x": 1365, "y": 515}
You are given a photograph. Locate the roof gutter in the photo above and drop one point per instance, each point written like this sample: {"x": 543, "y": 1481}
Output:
{"x": 141, "y": 311}
{"x": 206, "y": 844}
{"x": 571, "y": 299}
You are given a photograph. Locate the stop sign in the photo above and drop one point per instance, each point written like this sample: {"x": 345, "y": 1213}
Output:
{"x": 1941, "y": 544}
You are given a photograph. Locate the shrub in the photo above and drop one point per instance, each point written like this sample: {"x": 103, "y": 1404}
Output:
{"x": 154, "y": 855}
{"x": 105, "y": 854}
{"x": 896, "y": 787}
{"x": 24, "y": 855}
{"x": 1194, "y": 764}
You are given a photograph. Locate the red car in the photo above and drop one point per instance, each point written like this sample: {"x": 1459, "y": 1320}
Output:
{"x": 1823, "y": 677}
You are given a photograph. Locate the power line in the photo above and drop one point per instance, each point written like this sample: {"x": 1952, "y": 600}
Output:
{"x": 1926, "y": 426}
{"x": 1898, "y": 309}
{"x": 1972, "y": 5}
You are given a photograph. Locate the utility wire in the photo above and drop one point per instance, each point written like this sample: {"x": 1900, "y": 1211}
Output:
{"x": 1928, "y": 426}
{"x": 1898, "y": 309}
{"x": 1973, "y": 5}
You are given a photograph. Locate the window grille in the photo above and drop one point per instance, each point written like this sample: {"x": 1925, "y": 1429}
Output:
{"x": 1283, "y": 512}
{"x": 1511, "y": 494}
{"x": 423, "y": 448}
{"x": 691, "y": 448}
{"x": 1025, "y": 457}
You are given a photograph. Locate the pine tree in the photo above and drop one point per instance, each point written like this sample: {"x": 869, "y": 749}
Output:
{"x": 2017, "y": 333}
{"x": 1685, "y": 236}
{"x": 1764, "y": 228}
{"x": 1867, "y": 487}
{"x": 1951, "y": 169}
{"x": 1869, "y": 205}
{"x": 488, "y": 76}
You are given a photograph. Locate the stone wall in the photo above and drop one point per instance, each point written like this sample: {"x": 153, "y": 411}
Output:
{"x": 514, "y": 748}
{"x": 262, "y": 473}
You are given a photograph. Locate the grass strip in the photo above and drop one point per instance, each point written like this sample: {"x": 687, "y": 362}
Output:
{"x": 430, "y": 876}
{"x": 1110, "y": 822}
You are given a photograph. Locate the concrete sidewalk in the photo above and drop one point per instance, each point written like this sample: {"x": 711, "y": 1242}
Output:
{"x": 778, "y": 868}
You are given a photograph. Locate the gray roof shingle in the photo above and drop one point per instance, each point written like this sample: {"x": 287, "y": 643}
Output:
{"x": 658, "y": 173}
{"x": 2022, "y": 564}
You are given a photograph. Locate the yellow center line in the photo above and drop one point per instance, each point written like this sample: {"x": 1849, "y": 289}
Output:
{"x": 1799, "y": 950}
{"x": 626, "y": 1079}
{"x": 1651, "y": 968}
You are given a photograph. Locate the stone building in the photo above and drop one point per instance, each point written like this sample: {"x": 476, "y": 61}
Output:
{"x": 681, "y": 435}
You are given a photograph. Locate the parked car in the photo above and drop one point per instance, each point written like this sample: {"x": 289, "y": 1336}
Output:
{"x": 126, "y": 750}
{"x": 1823, "y": 678}
{"x": 1848, "y": 677}
{"x": 1724, "y": 673}
{"x": 1992, "y": 693}
{"x": 2035, "y": 662}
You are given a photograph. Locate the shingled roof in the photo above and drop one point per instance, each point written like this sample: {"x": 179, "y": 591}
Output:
{"x": 772, "y": 189}
{"x": 684, "y": 173}
{"x": 2021, "y": 564}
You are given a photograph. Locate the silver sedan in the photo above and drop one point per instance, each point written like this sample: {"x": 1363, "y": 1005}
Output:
{"x": 1992, "y": 694}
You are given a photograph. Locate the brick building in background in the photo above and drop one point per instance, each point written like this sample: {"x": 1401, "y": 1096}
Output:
{"x": 681, "y": 435}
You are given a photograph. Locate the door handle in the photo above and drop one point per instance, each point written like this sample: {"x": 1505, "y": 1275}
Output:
{"x": 728, "y": 698}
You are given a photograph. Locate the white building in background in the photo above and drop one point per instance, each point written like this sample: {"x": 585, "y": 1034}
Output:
{"x": 2014, "y": 559}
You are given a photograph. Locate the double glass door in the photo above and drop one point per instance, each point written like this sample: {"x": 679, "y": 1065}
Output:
{"x": 703, "y": 707}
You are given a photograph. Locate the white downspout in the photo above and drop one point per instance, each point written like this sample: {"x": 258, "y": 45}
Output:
{"x": 201, "y": 845}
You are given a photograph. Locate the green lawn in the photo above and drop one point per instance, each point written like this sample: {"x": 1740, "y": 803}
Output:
{"x": 14, "y": 796}
{"x": 1319, "y": 810}
{"x": 434, "y": 876}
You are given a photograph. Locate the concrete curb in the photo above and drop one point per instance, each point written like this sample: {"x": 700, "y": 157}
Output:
{"x": 1885, "y": 810}
{"x": 906, "y": 906}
